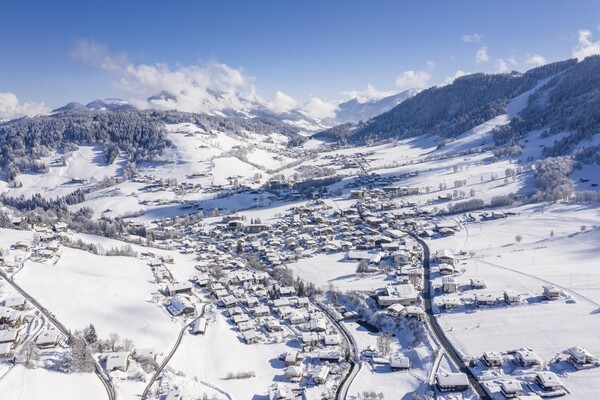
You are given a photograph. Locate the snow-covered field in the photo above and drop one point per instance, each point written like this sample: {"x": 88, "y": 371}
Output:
{"x": 332, "y": 269}
{"x": 113, "y": 293}
{"x": 568, "y": 260}
{"x": 32, "y": 384}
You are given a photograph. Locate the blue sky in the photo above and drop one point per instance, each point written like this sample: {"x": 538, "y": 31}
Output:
{"x": 283, "y": 51}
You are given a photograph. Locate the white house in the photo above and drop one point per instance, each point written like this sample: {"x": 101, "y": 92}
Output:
{"x": 451, "y": 302}
{"x": 180, "y": 305}
{"x": 580, "y": 357}
{"x": 199, "y": 326}
{"x": 396, "y": 310}
{"x": 492, "y": 359}
{"x": 527, "y": 357}
{"x": 445, "y": 256}
{"x": 511, "y": 388}
{"x": 178, "y": 287}
{"x": 512, "y": 297}
{"x": 118, "y": 360}
{"x": 47, "y": 339}
{"x": 449, "y": 284}
{"x": 399, "y": 362}
{"x": 251, "y": 336}
{"x": 548, "y": 380}
{"x": 478, "y": 283}
{"x": 552, "y": 292}
{"x": 485, "y": 299}
{"x": 452, "y": 382}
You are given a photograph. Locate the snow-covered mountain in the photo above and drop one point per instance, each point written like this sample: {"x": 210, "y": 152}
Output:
{"x": 106, "y": 104}
{"x": 354, "y": 110}
{"x": 110, "y": 104}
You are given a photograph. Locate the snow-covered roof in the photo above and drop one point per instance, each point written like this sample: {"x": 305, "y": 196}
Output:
{"x": 179, "y": 304}
{"x": 48, "y": 337}
{"x": 8, "y": 335}
{"x": 452, "y": 379}
{"x": 117, "y": 360}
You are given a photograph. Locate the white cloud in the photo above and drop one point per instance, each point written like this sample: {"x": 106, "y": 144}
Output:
{"x": 482, "y": 56}
{"x": 430, "y": 65}
{"x": 212, "y": 86}
{"x": 11, "y": 107}
{"x": 471, "y": 38}
{"x": 456, "y": 75}
{"x": 412, "y": 80}
{"x": 504, "y": 64}
{"x": 319, "y": 109}
{"x": 536, "y": 60}
{"x": 369, "y": 94}
{"x": 282, "y": 102}
{"x": 585, "y": 46}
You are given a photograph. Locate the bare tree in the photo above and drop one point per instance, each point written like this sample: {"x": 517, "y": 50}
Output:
{"x": 28, "y": 354}
{"x": 113, "y": 339}
{"x": 384, "y": 344}
{"x": 127, "y": 344}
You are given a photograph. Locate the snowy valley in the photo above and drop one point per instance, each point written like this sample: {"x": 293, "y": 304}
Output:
{"x": 166, "y": 255}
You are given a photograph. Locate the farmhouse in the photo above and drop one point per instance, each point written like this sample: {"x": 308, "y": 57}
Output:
{"x": 178, "y": 287}
{"x": 47, "y": 339}
{"x": 449, "y": 284}
{"x": 321, "y": 374}
{"x": 445, "y": 256}
{"x": 452, "y": 382}
{"x": 451, "y": 302}
{"x": 261, "y": 311}
{"x": 9, "y": 337}
{"x": 399, "y": 362}
{"x": 229, "y": 301}
{"x": 118, "y": 360}
{"x": 527, "y": 358}
{"x": 180, "y": 305}
{"x": 548, "y": 380}
{"x": 273, "y": 325}
{"x": 291, "y": 358}
{"x": 17, "y": 303}
{"x": 395, "y": 310}
{"x": 415, "y": 312}
{"x": 492, "y": 359}
{"x": 199, "y": 326}
{"x": 251, "y": 336}
{"x": 511, "y": 388}
{"x": 246, "y": 326}
{"x": 329, "y": 355}
{"x": 485, "y": 299}
{"x": 512, "y": 297}
{"x": 478, "y": 284}
{"x": 310, "y": 338}
{"x": 446, "y": 269}
{"x": 580, "y": 357}
{"x": 552, "y": 292}
{"x": 404, "y": 294}
{"x": 294, "y": 373}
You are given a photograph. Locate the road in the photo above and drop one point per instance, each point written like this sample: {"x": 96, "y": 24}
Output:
{"x": 63, "y": 329}
{"x": 355, "y": 364}
{"x": 435, "y": 327}
{"x": 170, "y": 355}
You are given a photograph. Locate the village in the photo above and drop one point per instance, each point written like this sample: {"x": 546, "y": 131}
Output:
{"x": 241, "y": 278}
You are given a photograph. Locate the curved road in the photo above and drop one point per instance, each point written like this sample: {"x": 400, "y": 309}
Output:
{"x": 435, "y": 327}
{"x": 170, "y": 355}
{"x": 98, "y": 370}
{"x": 342, "y": 390}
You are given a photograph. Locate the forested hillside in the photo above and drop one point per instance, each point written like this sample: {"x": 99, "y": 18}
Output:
{"x": 453, "y": 109}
